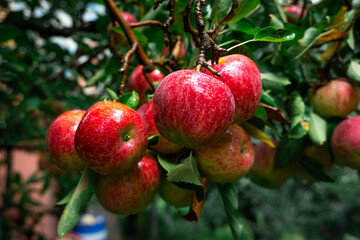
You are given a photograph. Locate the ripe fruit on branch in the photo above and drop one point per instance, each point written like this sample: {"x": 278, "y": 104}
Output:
{"x": 131, "y": 192}
{"x": 263, "y": 173}
{"x": 174, "y": 195}
{"x": 192, "y": 109}
{"x": 60, "y": 140}
{"x": 119, "y": 38}
{"x": 111, "y": 138}
{"x": 345, "y": 142}
{"x": 294, "y": 11}
{"x": 163, "y": 146}
{"x": 242, "y": 76}
{"x": 229, "y": 158}
{"x": 338, "y": 98}
{"x": 137, "y": 82}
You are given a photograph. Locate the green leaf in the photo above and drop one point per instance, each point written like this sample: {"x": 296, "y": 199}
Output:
{"x": 274, "y": 34}
{"x": 79, "y": 199}
{"x": 219, "y": 10}
{"x": 67, "y": 198}
{"x": 353, "y": 71}
{"x": 94, "y": 79}
{"x": 245, "y": 7}
{"x": 165, "y": 164}
{"x": 187, "y": 172}
{"x": 139, "y": 35}
{"x": 317, "y": 129}
{"x": 153, "y": 140}
{"x": 315, "y": 169}
{"x": 296, "y": 108}
{"x": 274, "y": 82}
{"x": 9, "y": 32}
{"x": 287, "y": 150}
{"x": 261, "y": 113}
{"x": 130, "y": 99}
{"x": 112, "y": 94}
{"x": 229, "y": 199}
{"x": 298, "y": 131}
{"x": 245, "y": 27}
{"x": 351, "y": 39}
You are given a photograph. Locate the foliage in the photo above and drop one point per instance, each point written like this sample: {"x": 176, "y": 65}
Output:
{"x": 55, "y": 56}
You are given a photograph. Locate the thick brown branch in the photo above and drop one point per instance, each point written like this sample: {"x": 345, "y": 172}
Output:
{"x": 71, "y": 63}
{"x": 201, "y": 62}
{"x": 115, "y": 12}
{"x": 187, "y": 25}
{"x": 124, "y": 68}
{"x": 207, "y": 43}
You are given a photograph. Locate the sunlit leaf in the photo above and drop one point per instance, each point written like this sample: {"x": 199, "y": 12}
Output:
{"x": 130, "y": 99}
{"x": 274, "y": 34}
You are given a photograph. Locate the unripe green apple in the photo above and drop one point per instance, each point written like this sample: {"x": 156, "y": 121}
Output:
{"x": 174, "y": 195}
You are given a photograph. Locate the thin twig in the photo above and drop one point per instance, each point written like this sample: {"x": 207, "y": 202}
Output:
{"x": 169, "y": 21}
{"x": 187, "y": 25}
{"x": 124, "y": 68}
{"x": 145, "y": 72}
{"x": 147, "y": 23}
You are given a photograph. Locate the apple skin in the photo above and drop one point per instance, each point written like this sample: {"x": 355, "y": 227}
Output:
{"x": 294, "y": 10}
{"x": 262, "y": 172}
{"x": 174, "y": 195}
{"x": 228, "y": 159}
{"x": 242, "y": 76}
{"x": 338, "y": 98}
{"x": 345, "y": 143}
{"x": 163, "y": 147}
{"x": 111, "y": 138}
{"x": 131, "y": 192}
{"x": 192, "y": 109}
{"x": 119, "y": 38}
{"x": 60, "y": 141}
{"x": 137, "y": 82}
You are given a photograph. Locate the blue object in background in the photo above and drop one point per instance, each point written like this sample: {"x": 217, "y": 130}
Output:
{"x": 91, "y": 227}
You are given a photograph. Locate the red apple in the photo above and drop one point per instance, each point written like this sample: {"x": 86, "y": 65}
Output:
{"x": 60, "y": 140}
{"x": 193, "y": 109}
{"x": 163, "y": 147}
{"x": 345, "y": 142}
{"x": 262, "y": 172}
{"x": 111, "y": 138}
{"x": 131, "y": 192}
{"x": 294, "y": 11}
{"x": 338, "y": 98}
{"x": 137, "y": 82}
{"x": 242, "y": 76}
{"x": 119, "y": 38}
{"x": 228, "y": 159}
{"x": 174, "y": 195}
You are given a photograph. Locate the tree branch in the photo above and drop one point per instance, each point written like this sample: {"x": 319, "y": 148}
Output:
{"x": 125, "y": 67}
{"x": 147, "y": 23}
{"x": 187, "y": 26}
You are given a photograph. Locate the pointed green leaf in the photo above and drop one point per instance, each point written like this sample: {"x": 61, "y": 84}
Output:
{"x": 317, "y": 129}
{"x": 67, "y": 198}
{"x": 112, "y": 94}
{"x": 130, "y": 99}
{"x": 220, "y": 9}
{"x": 244, "y": 8}
{"x": 165, "y": 164}
{"x": 296, "y": 108}
{"x": 275, "y": 82}
{"x": 353, "y": 71}
{"x": 229, "y": 199}
{"x": 274, "y": 34}
{"x": 78, "y": 201}
{"x": 261, "y": 113}
{"x": 287, "y": 150}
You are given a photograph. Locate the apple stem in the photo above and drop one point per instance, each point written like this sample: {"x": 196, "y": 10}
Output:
{"x": 124, "y": 68}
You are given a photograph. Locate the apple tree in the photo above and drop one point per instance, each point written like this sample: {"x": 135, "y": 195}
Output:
{"x": 223, "y": 96}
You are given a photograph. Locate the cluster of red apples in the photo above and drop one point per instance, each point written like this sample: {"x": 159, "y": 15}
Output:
{"x": 190, "y": 109}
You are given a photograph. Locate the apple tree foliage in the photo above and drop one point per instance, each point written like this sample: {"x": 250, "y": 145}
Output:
{"x": 57, "y": 56}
